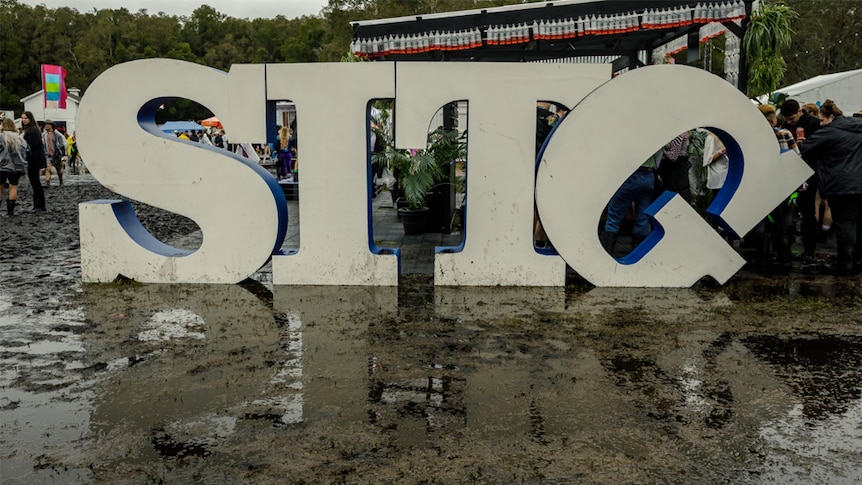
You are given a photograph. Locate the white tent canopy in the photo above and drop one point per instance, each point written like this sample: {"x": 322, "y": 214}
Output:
{"x": 845, "y": 88}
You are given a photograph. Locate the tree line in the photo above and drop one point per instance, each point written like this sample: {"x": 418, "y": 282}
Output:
{"x": 827, "y": 38}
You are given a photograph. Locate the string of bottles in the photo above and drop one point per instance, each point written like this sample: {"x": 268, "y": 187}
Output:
{"x": 705, "y": 13}
{"x": 731, "y": 60}
{"x": 549, "y": 29}
{"x": 417, "y": 43}
{"x": 706, "y": 31}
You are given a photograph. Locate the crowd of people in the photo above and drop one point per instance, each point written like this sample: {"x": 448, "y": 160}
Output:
{"x": 34, "y": 151}
{"x": 830, "y": 201}
{"x": 216, "y": 138}
{"x": 42, "y": 151}
{"x": 283, "y": 152}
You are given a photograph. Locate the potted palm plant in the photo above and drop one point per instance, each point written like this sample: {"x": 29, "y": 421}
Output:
{"x": 417, "y": 171}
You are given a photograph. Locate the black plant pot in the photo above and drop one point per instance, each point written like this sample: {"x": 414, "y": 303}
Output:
{"x": 441, "y": 202}
{"x": 413, "y": 220}
{"x": 400, "y": 203}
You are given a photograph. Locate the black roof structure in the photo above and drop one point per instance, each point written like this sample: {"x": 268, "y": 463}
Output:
{"x": 627, "y": 30}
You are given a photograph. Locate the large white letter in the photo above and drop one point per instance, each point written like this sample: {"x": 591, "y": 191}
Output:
{"x": 501, "y": 138}
{"x": 613, "y": 130}
{"x": 238, "y": 206}
{"x": 335, "y": 224}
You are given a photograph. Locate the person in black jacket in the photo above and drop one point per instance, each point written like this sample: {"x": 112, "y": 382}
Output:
{"x": 836, "y": 152}
{"x": 36, "y": 161}
{"x": 802, "y": 125}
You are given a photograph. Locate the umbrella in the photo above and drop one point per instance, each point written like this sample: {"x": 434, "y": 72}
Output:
{"x": 212, "y": 122}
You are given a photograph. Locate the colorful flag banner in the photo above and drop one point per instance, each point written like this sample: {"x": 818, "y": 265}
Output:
{"x": 54, "y": 86}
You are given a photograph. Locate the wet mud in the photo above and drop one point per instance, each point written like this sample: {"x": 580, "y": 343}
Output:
{"x": 757, "y": 381}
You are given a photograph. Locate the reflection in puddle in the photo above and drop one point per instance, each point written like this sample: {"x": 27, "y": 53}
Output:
{"x": 172, "y": 324}
{"x": 197, "y": 357}
{"x": 44, "y": 402}
{"x": 824, "y": 451}
{"x": 288, "y": 378}
{"x": 220, "y": 383}
{"x": 833, "y": 364}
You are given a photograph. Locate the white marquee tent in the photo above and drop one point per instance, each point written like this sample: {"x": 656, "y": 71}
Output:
{"x": 845, "y": 88}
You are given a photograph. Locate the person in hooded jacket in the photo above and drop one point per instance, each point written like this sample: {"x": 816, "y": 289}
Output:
{"x": 836, "y": 152}
{"x": 13, "y": 161}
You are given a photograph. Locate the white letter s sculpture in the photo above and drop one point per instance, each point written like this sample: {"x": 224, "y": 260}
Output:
{"x": 240, "y": 209}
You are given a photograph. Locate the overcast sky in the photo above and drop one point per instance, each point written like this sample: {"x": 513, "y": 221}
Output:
{"x": 234, "y": 8}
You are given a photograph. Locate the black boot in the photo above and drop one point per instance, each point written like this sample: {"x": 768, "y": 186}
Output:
{"x": 10, "y": 207}
{"x": 608, "y": 240}
{"x": 637, "y": 240}
{"x": 844, "y": 262}
{"x": 851, "y": 256}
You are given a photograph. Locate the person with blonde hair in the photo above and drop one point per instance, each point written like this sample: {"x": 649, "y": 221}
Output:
{"x": 836, "y": 152}
{"x": 13, "y": 162}
{"x": 811, "y": 108}
{"x": 283, "y": 154}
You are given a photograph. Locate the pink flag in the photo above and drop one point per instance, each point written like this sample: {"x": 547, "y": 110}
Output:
{"x": 54, "y": 86}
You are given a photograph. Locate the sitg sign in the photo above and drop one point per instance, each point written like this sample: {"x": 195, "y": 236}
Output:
{"x": 615, "y": 125}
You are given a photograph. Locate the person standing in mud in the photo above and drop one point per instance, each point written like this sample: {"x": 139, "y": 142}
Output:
{"x": 284, "y": 154}
{"x": 836, "y": 152}
{"x": 72, "y": 153}
{"x": 13, "y": 156}
{"x": 802, "y": 125}
{"x": 782, "y": 216}
{"x": 55, "y": 151}
{"x": 36, "y": 159}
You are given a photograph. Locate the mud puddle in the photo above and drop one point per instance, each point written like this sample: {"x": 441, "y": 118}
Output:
{"x": 750, "y": 383}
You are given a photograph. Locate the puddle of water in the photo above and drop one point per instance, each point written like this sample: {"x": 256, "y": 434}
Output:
{"x": 823, "y": 451}
{"x": 220, "y": 383}
{"x": 174, "y": 324}
{"x": 831, "y": 382}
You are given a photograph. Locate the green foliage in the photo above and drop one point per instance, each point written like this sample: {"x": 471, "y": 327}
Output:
{"x": 769, "y": 32}
{"x": 417, "y": 171}
{"x": 352, "y": 57}
{"x": 829, "y": 39}
{"x": 305, "y": 44}
{"x": 87, "y": 43}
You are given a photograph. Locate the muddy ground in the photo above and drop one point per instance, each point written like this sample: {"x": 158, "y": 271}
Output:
{"x": 757, "y": 381}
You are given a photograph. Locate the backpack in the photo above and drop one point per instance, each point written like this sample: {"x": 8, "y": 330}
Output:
{"x": 13, "y": 161}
